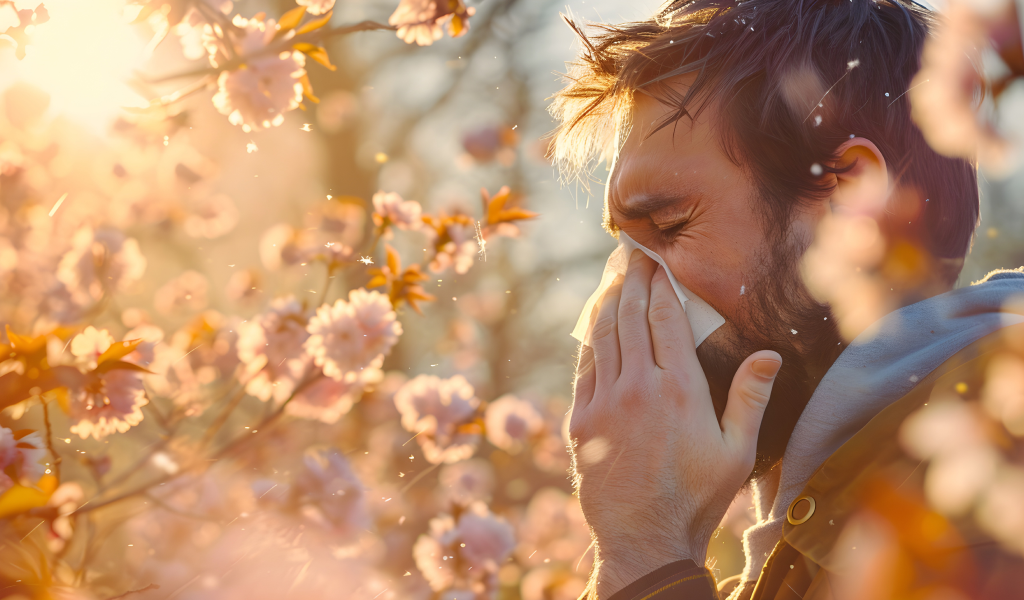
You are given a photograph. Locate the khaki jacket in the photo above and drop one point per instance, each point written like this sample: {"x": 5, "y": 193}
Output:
{"x": 862, "y": 527}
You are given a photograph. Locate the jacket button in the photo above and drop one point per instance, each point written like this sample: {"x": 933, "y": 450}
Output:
{"x": 800, "y": 510}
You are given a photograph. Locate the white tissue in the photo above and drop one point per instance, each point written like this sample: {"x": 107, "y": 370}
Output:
{"x": 703, "y": 319}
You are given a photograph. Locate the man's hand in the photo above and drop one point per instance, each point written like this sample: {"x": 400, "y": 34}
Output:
{"x": 654, "y": 469}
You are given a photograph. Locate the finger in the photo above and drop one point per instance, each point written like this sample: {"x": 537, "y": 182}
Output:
{"x": 748, "y": 397}
{"x": 671, "y": 336}
{"x": 605, "y": 337}
{"x": 634, "y": 332}
{"x": 586, "y": 379}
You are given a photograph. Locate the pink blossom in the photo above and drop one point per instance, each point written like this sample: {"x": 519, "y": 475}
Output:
{"x": 316, "y": 7}
{"x": 327, "y": 400}
{"x": 145, "y": 353}
{"x": 214, "y": 217}
{"x": 421, "y": 21}
{"x": 283, "y": 245}
{"x": 458, "y": 253}
{"x": 553, "y": 529}
{"x": 511, "y": 423}
{"x": 244, "y": 286}
{"x": 113, "y": 403}
{"x": 479, "y": 540}
{"x": 488, "y": 539}
{"x": 98, "y": 263}
{"x": 350, "y": 336}
{"x": 184, "y": 293}
{"x": 430, "y": 553}
{"x": 195, "y": 34}
{"x": 435, "y": 410}
{"x": 330, "y": 490}
{"x": 197, "y": 355}
{"x": 66, "y": 499}
{"x": 270, "y": 347}
{"x": 467, "y": 481}
{"x": 90, "y": 344}
{"x": 390, "y": 208}
{"x": 20, "y": 454}
{"x": 258, "y": 95}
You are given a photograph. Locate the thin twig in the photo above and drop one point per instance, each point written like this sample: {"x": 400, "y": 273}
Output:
{"x": 196, "y": 86}
{"x": 177, "y": 511}
{"x": 227, "y": 449}
{"x": 327, "y": 281}
{"x": 124, "y": 475}
{"x": 151, "y": 586}
{"x": 222, "y": 418}
{"x": 276, "y": 48}
{"x": 49, "y": 441}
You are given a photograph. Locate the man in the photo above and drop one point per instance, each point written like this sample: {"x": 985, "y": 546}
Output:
{"x": 765, "y": 150}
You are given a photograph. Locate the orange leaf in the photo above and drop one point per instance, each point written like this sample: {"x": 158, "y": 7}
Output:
{"x": 290, "y": 20}
{"x": 316, "y": 53}
{"x": 315, "y": 24}
{"x": 307, "y": 89}
{"x": 23, "y": 343}
{"x": 377, "y": 281}
{"x": 457, "y": 27}
{"x": 120, "y": 365}
{"x": 21, "y": 498}
{"x": 516, "y": 214}
{"x": 496, "y": 212}
{"x": 394, "y": 260}
{"x": 492, "y": 206}
{"x": 62, "y": 396}
{"x": 118, "y": 350}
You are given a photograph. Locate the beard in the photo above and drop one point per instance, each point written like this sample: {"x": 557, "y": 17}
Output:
{"x": 778, "y": 314}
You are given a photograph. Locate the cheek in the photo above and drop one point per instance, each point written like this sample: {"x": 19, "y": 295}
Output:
{"x": 720, "y": 268}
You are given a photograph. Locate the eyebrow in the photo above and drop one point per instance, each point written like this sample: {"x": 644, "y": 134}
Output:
{"x": 642, "y": 207}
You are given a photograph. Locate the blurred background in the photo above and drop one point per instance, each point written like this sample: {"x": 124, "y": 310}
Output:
{"x": 208, "y": 201}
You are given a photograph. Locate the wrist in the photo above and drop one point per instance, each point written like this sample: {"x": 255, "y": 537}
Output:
{"x": 620, "y": 565}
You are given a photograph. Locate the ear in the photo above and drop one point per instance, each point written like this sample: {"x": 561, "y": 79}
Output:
{"x": 864, "y": 187}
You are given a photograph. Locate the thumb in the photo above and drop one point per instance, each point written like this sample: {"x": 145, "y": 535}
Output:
{"x": 748, "y": 397}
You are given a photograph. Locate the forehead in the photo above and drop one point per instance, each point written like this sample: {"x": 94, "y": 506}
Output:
{"x": 653, "y": 165}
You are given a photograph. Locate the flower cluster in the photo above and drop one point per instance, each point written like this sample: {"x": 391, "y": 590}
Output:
{"x": 258, "y": 96}
{"x": 243, "y": 426}
{"x": 21, "y": 453}
{"x": 423, "y": 21}
{"x": 271, "y": 349}
{"x": 961, "y": 441}
{"x": 347, "y": 337}
{"x": 443, "y": 414}
{"x": 455, "y": 547}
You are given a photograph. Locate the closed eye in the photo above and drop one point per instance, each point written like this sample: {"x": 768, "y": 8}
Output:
{"x": 670, "y": 231}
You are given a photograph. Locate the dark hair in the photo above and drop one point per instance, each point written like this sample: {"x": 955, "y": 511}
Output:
{"x": 792, "y": 80}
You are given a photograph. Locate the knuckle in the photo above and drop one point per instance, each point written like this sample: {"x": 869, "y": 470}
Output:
{"x": 579, "y": 432}
{"x": 660, "y": 312}
{"x": 604, "y": 327}
{"x": 755, "y": 396}
{"x": 633, "y": 306}
{"x": 673, "y": 381}
{"x": 636, "y": 389}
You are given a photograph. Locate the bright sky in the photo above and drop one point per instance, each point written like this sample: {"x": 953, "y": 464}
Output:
{"x": 82, "y": 57}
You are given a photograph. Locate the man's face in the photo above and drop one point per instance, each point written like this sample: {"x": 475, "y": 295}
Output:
{"x": 677, "y": 193}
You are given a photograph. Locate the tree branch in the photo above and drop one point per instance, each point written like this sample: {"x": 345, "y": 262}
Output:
{"x": 283, "y": 45}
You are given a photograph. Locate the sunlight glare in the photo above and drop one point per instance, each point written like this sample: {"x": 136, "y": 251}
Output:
{"x": 83, "y": 56}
